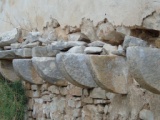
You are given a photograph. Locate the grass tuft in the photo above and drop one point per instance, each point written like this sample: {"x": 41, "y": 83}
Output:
{"x": 12, "y": 100}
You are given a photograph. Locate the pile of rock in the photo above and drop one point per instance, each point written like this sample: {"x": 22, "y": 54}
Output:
{"x": 106, "y": 65}
{"x": 79, "y": 60}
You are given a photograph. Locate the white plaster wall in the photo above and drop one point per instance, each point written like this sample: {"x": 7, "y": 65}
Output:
{"x": 35, "y": 13}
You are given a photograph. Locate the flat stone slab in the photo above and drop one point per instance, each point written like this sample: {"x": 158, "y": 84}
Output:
{"x": 7, "y": 54}
{"x": 144, "y": 64}
{"x": 7, "y": 71}
{"x": 47, "y": 69}
{"x": 74, "y": 68}
{"x": 25, "y": 69}
{"x": 110, "y": 72}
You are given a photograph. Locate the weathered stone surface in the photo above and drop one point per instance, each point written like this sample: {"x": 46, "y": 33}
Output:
{"x": 74, "y": 90}
{"x": 145, "y": 67}
{"x": 104, "y": 29}
{"x": 157, "y": 42}
{"x": 76, "y": 43}
{"x": 108, "y": 49}
{"x": 53, "y": 89}
{"x": 47, "y": 69}
{"x": 114, "y": 38}
{"x": 130, "y": 41}
{"x": 90, "y": 112}
{"x": 15, "y": 45}
{"x": 146, "y": 115}
{"x": 78, "y": 37}
{"x": 31, "y": 45}
{"x": 98, "y": 93}
{"x": 7, "y": 47}
{"x": 33, "y": 37}
{"x": 44, "y": 51}
{"x": 24, "y": 52}
{"x": 93, "y": 50}
{"x": 9, "y": 37}
{"x": 110, "y": 72}
{"x": 124, "y": 30}
{"x": 75, "y": 69}
{"x": 119, "y": 52}
{"x": 7, "y": 54}
{"x": 61, "y": 45}
{"x": 88, "y": 29}
{"x": 7, "y": 71}
{"x": 77, "y": 49}
{"x": 96, "y": 44}
{"x": 25, "y": 69}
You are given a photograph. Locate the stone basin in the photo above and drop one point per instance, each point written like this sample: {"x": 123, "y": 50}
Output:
{"x": 47, "y": 69}
{"x": 25, "y": 69}
{"x": 144, "y": 66}
{"x": 108, "y": 72}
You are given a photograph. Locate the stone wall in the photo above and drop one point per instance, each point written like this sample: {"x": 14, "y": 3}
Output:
{"x": 83, "y": 60}
{"x": 89, "y": 72}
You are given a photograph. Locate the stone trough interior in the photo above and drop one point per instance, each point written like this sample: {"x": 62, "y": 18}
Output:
{"x": 86, "y": 73}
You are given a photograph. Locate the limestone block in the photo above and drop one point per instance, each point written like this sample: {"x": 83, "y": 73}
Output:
{"x": 24, "y": 52}
{"x": 108, "y": 49}
{"x": 74, "y": 90}
{"x": 47, "y": 69}
{"x": 114, "y": 38}
{"x": 7, "y": 54}
{"x": 78, "y": 37}
{"x": 88, "y": 29}
{"x": 7, "y": 71}
{"x": 98, "y": 93}
{"x": 88, "y": 100}
{"x": 25, "y": 69}
{"x": 146, "y": 115}
{"x": 93, "y": 50}
{"x": 33, "y": 37}
{"x": 9, "y": 37}
{"x": 96, "y": 44}
{"x": 110, "y": 72}
{"x": 53, "y": 89}
{"x": 44, "y": 51}
{"x": 15, "y": 45}
{"x": 124, "y": 30}
{"x": 7, "y": 47}
{"x": 145, "y": 67}
{"x": 77, "y": 49}
{"x": 104, "y": 29}
{"x": 31, "y": 45}
{"x": 130, "y": 41}
{"x": 75, "y": 69}
{"x": 90, "y": 112}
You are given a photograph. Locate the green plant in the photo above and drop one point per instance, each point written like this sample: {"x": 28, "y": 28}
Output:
{"x": 12, "y": 100}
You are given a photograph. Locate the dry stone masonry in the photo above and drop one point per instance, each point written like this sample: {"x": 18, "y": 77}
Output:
{"x": 86, "y": 73}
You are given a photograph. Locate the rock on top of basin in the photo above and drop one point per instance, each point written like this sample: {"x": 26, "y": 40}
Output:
{"x": 110, "y": 72}
{"x": 145, "y": 67}
{"x": 47, "y": 69}
{"x": 26, "y": 71}
{"x": 74, "y": 68}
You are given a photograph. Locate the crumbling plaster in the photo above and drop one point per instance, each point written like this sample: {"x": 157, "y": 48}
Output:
{"x": 31, "y": 14}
